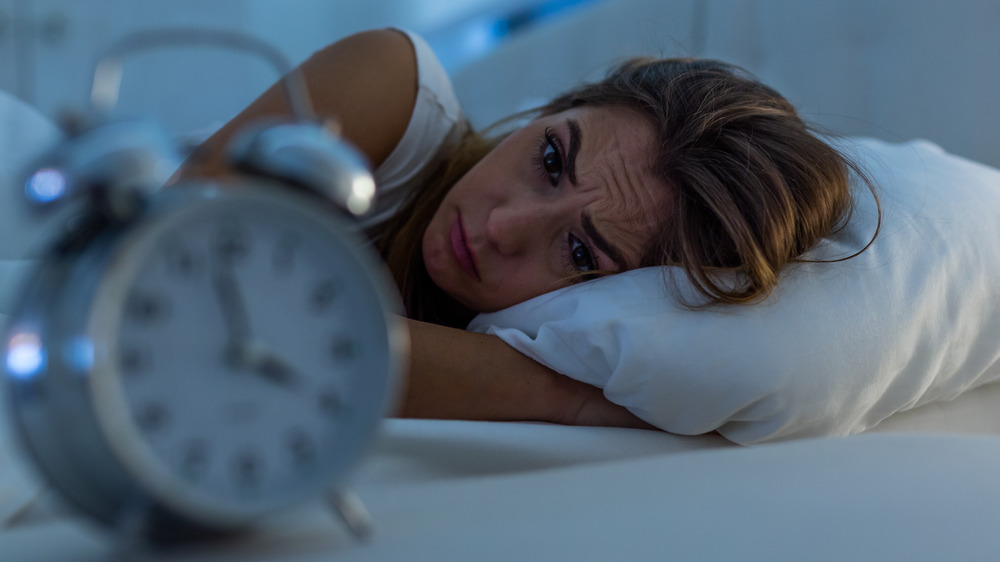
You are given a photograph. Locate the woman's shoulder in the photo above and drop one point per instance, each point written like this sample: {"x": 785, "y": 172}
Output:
{"x": 368, "y": 82}
{"x": 432, "y": 78}
{"x": 435, "y": 127}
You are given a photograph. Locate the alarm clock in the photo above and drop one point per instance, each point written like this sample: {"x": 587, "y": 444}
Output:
{"x": 187, "y": 360}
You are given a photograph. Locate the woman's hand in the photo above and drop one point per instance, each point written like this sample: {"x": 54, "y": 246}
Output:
{"x": 366, "y": 82}
{"x": 588, "y": 406}
{"x": 456, "y": 374}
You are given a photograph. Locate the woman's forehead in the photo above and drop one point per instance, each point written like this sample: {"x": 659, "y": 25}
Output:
{"x": 614, "y": 165}
{"x": 614, "y": 142}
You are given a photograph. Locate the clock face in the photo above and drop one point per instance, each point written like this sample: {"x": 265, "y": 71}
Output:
{"x": 242, "y": 353}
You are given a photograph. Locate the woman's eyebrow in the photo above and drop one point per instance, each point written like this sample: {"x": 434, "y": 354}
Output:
{"x": 601, "y": 242}
{"x": 575, "y": 138}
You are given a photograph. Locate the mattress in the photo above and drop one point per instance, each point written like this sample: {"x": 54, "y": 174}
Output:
{"x": 447, "y": 491}
{"x": 920, "y": 486}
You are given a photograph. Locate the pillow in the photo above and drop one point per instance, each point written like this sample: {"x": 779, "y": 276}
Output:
{"x": 834, "y": 350}
{"x": 24, "y": 135}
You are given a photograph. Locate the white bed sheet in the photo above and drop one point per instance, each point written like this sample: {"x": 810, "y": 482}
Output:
{"x": 887, "y": 496}
{"x": 502, "y": 491}
{"x": 411, "y": 454}
{"x": 419, "y": 451}
{"x": 973, "y": 412}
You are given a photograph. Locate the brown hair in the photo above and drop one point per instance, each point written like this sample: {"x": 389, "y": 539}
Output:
{"x": 751, "y": 186}
{"x": 400, "y": 238}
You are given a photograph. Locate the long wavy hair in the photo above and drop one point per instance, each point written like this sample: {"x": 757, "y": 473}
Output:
{"x": 751, "y": 186}
{"x": 400, "y": 238}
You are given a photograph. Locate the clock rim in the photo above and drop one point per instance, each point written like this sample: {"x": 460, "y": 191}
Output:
{"x": 100, "y": 255}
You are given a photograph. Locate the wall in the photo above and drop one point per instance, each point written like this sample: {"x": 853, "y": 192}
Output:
{"x": 48, "y": 48}
{"x": 543, "y": 61}
{"x": 894, "y": 69}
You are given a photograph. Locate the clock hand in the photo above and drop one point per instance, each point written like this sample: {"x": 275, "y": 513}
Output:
{"x": 260, "y": 361}
{"x": 241, "y": 351}
{"x": 233, "y": 307}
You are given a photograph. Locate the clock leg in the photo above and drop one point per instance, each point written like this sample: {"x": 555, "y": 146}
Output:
{"x": 129, "y": 531}
{"x": 352, "y": 511}
{"x": 23, "y": 513}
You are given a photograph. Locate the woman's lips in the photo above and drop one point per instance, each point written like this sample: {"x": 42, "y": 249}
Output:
{"x": 460, "y": 247}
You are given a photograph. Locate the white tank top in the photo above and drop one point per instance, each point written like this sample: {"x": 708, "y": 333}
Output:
{"x": 436, "y": 126}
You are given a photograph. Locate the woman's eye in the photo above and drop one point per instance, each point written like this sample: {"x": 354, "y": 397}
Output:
{"x": 551, "y": 161}
{"x": 580, "y": 255}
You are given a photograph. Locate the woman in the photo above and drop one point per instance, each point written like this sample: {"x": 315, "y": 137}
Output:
{"x": 675, "y": 162}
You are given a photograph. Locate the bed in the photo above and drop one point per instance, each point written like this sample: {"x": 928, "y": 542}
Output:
{"x": 918, "y": 485}
{"x": 451, "y": 490}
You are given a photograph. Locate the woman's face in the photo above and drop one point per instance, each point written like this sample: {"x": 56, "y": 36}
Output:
{"x": 567, "y": 194}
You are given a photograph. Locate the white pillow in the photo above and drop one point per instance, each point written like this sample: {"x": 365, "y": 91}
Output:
{"x": 24, "y": 135}
{"x": 837, "y": 348}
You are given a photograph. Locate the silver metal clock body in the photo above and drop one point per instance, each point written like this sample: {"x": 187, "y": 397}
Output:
{"x": 226, "y": 352}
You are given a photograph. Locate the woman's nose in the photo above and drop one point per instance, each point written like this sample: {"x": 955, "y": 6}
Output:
{"x": 513, "y": 226}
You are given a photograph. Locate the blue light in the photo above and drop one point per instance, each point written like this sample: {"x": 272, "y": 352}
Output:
{"x": 460, "y": 43}
{"x": 45, "y": 185}
{"x": 78, "y": 353}
{"x": 25, "y": 355}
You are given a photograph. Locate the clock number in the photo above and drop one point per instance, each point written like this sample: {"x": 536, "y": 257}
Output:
{"x": 301, "y": 447}
{"x": 248, "y": 468}
{"x": 179, "y": 260}
{"x": 151, "y": 417}
{"x": 285, "y": 251}
{"x": 323, "y": 295}
{"x": 134, "y": 360}
{"x": 232, "y": 244}
{"x": 330, "y": 404}
{"x": 241, "y": 412}
{"x": 343, "y": 348}
{"x": 147, "y": 308}
{"x": 194, "y": 460}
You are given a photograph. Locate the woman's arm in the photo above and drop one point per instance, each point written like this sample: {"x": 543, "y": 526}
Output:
{"x": 367, "y": 82}
{"x": 456, "y": 374}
